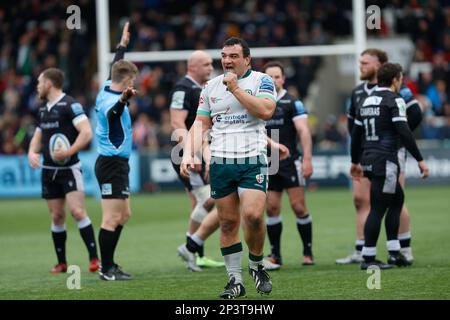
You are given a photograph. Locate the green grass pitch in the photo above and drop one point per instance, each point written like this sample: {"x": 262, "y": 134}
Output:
{"x": 148, "y": 250}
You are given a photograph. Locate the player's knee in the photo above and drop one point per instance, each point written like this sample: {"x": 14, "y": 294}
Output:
{"x": 209, "y": 204}
{"x": 253, "y": 219}
{"x": 273, "y": 210}
{"x": 199, "y": 213}
{"x": 360, "y": 202}
{"x": 58, "y": 216}
{"x": 299, "y": 209}
{"x": 78, "y": 213}
{"x": 58, "y": 219}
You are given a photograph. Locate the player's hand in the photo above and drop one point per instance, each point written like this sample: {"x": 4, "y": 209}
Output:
{"x": 307, "y": 168}
{"x": 187, "y": 164}
{"x": 125, "y": 39}
{"x": 230, "y": 80}
{"x": 282, "y": 149}
{"x": 127, "y": 94}
{"x": 356, "y": 171}
{"x": 60, "y": 154}
{"x": 424, "y": 169}
{"x": 34, "y": 159}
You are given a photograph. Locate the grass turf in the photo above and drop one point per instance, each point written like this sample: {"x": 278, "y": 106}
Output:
{"x": 147, "y": 250}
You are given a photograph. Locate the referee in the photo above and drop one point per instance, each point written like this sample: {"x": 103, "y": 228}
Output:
{"x": 111, "y": 168}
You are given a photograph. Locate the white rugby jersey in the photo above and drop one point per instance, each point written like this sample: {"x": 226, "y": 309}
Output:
{"x": 235, "y": 132}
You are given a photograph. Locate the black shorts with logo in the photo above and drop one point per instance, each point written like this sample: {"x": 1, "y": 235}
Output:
{"x": 289, "y": 175}
{"x": 57, "y": 182}
{"x": 112, "y": 176}
{"x": 385, "y": 166}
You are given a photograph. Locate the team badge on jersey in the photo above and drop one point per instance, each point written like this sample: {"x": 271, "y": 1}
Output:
{"x": 401, "y": 107}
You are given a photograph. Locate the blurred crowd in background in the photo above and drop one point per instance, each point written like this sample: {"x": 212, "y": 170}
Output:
{"x": 34, "y": 36}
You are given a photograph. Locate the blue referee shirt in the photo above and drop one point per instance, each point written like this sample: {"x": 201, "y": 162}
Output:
{"x": 114, "y": 135}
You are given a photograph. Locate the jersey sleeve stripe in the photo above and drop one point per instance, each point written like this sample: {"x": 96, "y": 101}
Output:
{"x": 411, "y": 103}
{"x": 266, "y": 95}
{"x": 203, "y": 113}
{"x": 395, "y": 119}
{"x": 78, "y": 119}
{"x": 302, "y": 116}
{"x": 359, "y": 123}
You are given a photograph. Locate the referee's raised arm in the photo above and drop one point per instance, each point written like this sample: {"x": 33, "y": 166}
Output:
{"x": 122, "y": 46}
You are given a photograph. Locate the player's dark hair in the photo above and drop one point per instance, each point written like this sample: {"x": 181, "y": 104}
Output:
{"x": 56, "y": 76}
{"x": 380, "y": 54}
{"x": 122, "y": 69}
{"x": 272, "y": 64}
{"x": 234, "y": 40}
{"x": 387, "y": 73}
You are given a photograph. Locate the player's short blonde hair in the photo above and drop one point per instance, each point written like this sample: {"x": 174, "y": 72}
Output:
{"x": 122, "y": 69}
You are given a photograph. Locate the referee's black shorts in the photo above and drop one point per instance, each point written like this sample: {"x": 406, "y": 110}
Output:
{"x": 112, "y": 176}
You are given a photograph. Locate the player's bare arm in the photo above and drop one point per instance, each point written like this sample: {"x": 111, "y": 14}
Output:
{"x": 177, "y": 121}
{"x": 301, "y": 125}
{"x": 194, "y": 143}
{"x": 34, "y": 155}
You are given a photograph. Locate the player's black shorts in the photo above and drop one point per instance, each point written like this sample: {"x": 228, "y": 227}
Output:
{"x": 376, "y": 165}
{"x": 56, "y": 183}
{"x": 288, "y": 176}
{"x": 112, "y": 176}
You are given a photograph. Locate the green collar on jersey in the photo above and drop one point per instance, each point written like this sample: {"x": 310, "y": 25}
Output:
{"x": 246, "y": 74}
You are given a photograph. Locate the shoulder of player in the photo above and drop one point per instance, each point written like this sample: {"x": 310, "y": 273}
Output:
{"x": 358, "y": 89}
{"x": 183, "y": 84}
{"x": 390, "y": 98}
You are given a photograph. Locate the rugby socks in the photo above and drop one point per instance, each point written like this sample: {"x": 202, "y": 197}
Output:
{"x": 304, "y": 227}
{"x": 107, "y": 242}
{"x": 369, "y": 253}
{"x": 359, "y": 245}
{"x": 194, "y": 244}
{"x": 371, "y": 233}
{"x": 254, "y": 261}
{"x": 59, "y": 236}
{"x": 393, "y": 246}
{"x": 233, "y": 261}
{"x": 405, "y": 239}
{"x": 87, "y": 234}
{"x": 274, "y": 228}
{"x": 117, "y": 233}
